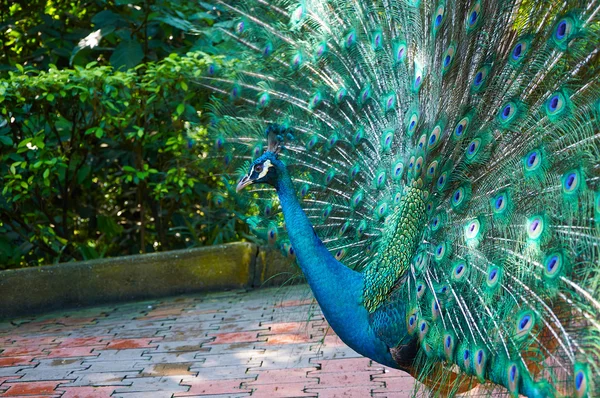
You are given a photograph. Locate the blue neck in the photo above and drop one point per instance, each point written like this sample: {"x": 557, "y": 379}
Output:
{"x": 337, "y": 288}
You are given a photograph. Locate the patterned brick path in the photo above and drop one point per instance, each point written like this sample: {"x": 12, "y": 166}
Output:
{"x": 262, "y": 343}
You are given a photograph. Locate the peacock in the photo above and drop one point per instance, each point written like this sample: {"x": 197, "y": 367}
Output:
{"x": 436, "y": 175}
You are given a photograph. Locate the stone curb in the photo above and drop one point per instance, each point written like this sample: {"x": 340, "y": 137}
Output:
{"x": 235, "y": 265}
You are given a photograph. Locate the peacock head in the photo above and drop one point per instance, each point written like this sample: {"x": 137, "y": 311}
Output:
{"x": 266, "y": 168}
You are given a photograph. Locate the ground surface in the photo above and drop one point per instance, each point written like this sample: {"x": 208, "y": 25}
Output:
{"x": 262, "y": 343}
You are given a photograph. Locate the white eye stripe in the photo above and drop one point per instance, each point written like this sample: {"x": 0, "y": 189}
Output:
{"x": 266, "y": 165}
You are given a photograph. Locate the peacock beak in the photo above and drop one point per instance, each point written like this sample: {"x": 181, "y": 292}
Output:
{"x": 244, "y": 182}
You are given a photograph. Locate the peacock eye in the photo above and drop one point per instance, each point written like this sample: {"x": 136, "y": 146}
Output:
{"x": 258, "y": 168}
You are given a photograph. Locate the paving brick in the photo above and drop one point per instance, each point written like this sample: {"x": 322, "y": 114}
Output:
{"x": 120, "y": 355}
{"x": 4, "y": 387}
{"x": 70, "y": 352}
{"x": 16, "y": 361}
{"x": 239, "y": 337}
{"x": 182, "y": 345}
{"x": 199, "y": 386}
{"x": 224, "y": 349}
{"x": 345, "y": 379}
{"x": 125, "y": 344}
{"x": 222, "y": 372}
{"x": 172, "y": 357}
{"x": 342, "y": 392}
{"x": 219, "y": 396}
{"x": 239, "y": 326}
{"x": 52, "y": 370}
{"x": 287, "y": 390}
{"x": 233, "y": 358}
{"x": 101, "y": 379}
{"x": 397, "y": 384}
{"x": 283, "y": 376}
{"x": 347, "y": 365}
{"x": 13, "y": 370}
{"x": 86, "y": 392}
{"x": 94, "y": 341}
{"x": 113, "y": 366}
{"x": 27, "y": 350}
{"x": 31, "y": 388}
{"x": 148, "y": 384}
{"x": 145, "y": 394}
{"x": 168, "y": 369}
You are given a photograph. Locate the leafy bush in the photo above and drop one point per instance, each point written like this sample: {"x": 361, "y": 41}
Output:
{"x": 96, "y": 162}
{"x": 122, "y": 33}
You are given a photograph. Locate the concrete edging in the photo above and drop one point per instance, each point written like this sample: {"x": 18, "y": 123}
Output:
{"x": 236, "y": 265}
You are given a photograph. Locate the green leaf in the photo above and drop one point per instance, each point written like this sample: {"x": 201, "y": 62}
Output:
{"x": 6, "y": 140}
{"x": 180, "y": 109}
{"x": 127, "y": 55}
{"x": 184, "y": 86}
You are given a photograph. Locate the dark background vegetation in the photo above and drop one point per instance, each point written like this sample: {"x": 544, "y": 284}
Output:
{"x": 103, "y": 142}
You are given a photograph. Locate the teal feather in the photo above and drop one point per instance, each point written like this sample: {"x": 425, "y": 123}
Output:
{"x": 447, "y": 153}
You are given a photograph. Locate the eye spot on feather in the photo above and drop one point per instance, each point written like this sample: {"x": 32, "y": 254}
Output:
{"x": 267, "y": 50}
{"x": 535, "y": 227}
{"x": 423, "y": 329}
{"x": 441, "y": 182}
{"x": 493, "y": 278}
{"x": 418, "y": 165}
{"x": 240, "y": 27}
{"x": 447, "y": 58}
{"x": 438, "y": 18}
{"x": 435, "y": 309}
{"x": 350, "y": 39}
{"x": 472, "y": 230}
{"x": 572, "y": 182}
{"x": 399, "y": 52}
{"x": 532, "y": 161}
{"x": 459, "y": 271}
{"x": 340, "y": 95}
{"x": 411, "y": 124}
{"x": 473, "y": 17}
{"x": 434, "y": 137}
{"x": 326, "y": 212}
{"x": 581, "y": 380}
{"x": 458, "y": 199}
{"x": 263, "y": 100}
{"x": 473, "y": 149}
{"x": 524, "y": 324}
{"x": 357, "y": 199}
{"x": 420, "y": 289}
{"x": 412, "y": 323}
{"x": 563, "y": 32}
{"x": 512, "y": 372}
{"x": 519, "y": 51}
{"x": 480, "y": 78}
{"x": 235, "y": 93}
{"x": 297, "y": 15}
{"x": 320, "y": 50}
{"x": 340, "y": 254}
{"x": 460, "y": 128}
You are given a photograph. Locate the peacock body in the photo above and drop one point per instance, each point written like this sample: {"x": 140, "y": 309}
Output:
{"x": 437, "y": 168}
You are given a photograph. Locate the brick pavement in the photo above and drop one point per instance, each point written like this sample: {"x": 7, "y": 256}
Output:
{"x": 262, "y": 343}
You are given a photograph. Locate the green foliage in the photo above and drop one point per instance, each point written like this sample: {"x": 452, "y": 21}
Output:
{"x": 96, "y": 162}
{"x": 122, "y": 33}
